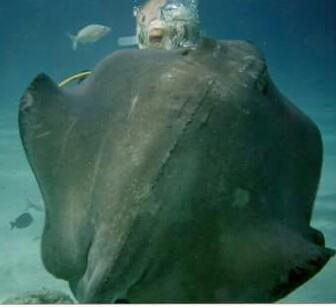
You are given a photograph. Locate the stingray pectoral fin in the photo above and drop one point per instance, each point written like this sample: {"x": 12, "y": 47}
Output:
{"x": 35, "y": 105}
{"x": 301, "y": 272}
{"x": 42, "y": 117}
{"x": 48, "y": 130}
{"x": 272, "y": 262}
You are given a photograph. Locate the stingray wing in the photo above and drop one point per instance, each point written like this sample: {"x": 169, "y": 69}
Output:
{"x": 47, "y": 121}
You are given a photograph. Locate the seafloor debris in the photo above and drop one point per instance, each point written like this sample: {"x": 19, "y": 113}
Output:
{"x": 40, "y": 297}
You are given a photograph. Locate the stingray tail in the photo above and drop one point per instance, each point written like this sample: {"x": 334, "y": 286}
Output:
{"x": 74, "y": 41}
{"x": 12, "y": 225}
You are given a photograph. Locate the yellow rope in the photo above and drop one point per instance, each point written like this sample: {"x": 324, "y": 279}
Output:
{"x": 81, "y": 75}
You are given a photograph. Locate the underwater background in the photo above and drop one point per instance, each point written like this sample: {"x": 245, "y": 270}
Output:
{"x": 298, "y": 38}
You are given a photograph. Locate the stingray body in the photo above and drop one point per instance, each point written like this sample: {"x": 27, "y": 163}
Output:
{"x": 175, "y": 176}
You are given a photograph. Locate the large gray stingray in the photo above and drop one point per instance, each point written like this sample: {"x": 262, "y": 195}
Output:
{"x": 175, "y": 176}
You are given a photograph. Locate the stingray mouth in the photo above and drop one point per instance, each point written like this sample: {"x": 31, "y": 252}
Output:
{"x": 156, "y": 36}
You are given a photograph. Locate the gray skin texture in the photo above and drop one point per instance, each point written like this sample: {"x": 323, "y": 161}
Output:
{"x": 175, "y": 176}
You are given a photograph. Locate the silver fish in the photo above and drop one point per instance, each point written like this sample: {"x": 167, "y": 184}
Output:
{"x": 89, "y": 34}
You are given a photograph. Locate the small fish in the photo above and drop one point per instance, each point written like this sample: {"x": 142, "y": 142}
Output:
{"x": 31, "y": 205}
{"x": 22, "y": 221}
{"x": 89, "y": 34}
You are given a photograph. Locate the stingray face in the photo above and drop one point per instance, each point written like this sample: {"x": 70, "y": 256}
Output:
{"x": 165, "y": 24}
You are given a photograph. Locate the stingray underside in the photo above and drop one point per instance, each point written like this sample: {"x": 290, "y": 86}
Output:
{"x": 180, "y": 176}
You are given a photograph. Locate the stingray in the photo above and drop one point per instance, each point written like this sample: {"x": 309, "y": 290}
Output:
{"x": 177, "y": 176}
